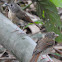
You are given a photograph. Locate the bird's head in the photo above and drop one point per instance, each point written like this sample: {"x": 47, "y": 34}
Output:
{"x": 13, "y": 7}
{"x": 51, "y": 35}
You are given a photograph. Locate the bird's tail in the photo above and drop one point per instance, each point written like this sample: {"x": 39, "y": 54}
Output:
{"x": 35, "y": 58}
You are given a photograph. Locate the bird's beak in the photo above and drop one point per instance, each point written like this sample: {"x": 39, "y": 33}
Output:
{"x": 56, "y": 35}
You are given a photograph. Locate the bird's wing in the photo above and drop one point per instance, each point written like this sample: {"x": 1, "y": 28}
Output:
{"x": 39, "y": 47}
{"x": 22, "y": 15}
{"x": 42, "y": 45}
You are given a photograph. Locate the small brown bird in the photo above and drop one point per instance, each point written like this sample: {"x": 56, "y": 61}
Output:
{"x": 43, "y": 44}
{"x": 16, "y": 13}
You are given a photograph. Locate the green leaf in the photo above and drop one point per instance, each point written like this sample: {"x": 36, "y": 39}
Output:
{"x": 58, "y": 3}
{"x": 39, "y": 22}
{"x": 51, "y": 19}
{"x": 57, "y": 54}
{"x": 27, "y": 25}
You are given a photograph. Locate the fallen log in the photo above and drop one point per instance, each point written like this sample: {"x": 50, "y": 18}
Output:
{"x": 17, "y": 42}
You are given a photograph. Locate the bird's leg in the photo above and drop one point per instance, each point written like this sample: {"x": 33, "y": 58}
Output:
{"x": 42, "y": 57}
{"x": 49, "y": 59}
{"x": 46, "y": 57}
{"x": 17, "y": 30}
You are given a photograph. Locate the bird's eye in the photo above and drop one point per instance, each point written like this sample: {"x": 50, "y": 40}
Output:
{"x": 53, "y": 33}
{"x": 11, "y": 5}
